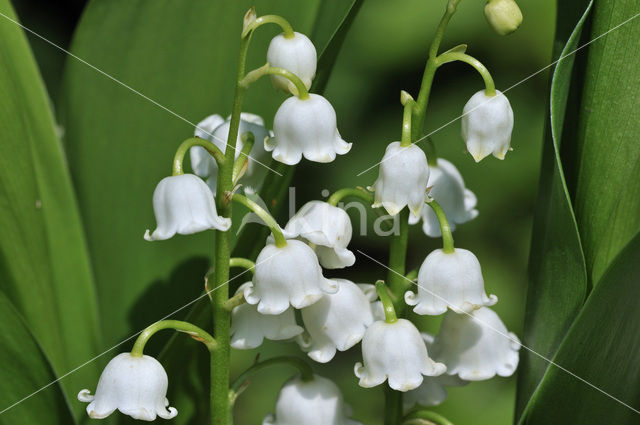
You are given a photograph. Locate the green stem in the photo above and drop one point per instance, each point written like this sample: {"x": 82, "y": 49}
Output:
{"x": 265, "y": 216}
{"x": 267, "y": 69}
{"x": 357, "y": 192}
{"x": 184, "y": 147}
{"x": 430, "y": 150}
{"x": 245, "y": 263}
{"x": 235, "y": 301}
{"x": 406, "y": 124}
{"x": 270, "y": 19}
{"x": 490, "y": 87}
{"x": 220, "y": 358}
{"x": 240, "y": 164}
{"x": 428, "y": 415}
{"x": 178, "y": 325}
{"x": 397, "y": 260}
{"x": 306, "y": 373}
{"x": 445, "y": 229}
{"x": 412, "y": 275}
{"x": 387, "y": 304}
{"x": 392, "y": 406}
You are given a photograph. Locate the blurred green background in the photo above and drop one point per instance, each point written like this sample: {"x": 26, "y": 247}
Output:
{"x": 383, "y": 54}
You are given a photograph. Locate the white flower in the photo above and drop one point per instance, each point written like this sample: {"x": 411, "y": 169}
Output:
{"x": 216, "y": 130}
{"x": 328, "y": 228}
{"x": 136, "y": 386}
{"x": 315, "y": 402}
{"x": 487, "y": 122}
{"x": 476, "y": 346}
{"x": 432, "y": 391}
{"x": 306, "y": 127}
{"x": 184, "y": 204}
{"x": 287, "y": 275}
{"x": 249, "y": 328}
{"x": 337, "y": 321}
{"x": 297, "y": 55}
{"x": 452, "y": 280}
{"x": 395, "y": 351}
{"x": 402, "y": 180}
{"x": 447, "y": 188}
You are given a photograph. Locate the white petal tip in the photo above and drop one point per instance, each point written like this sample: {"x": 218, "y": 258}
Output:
{"x": 85, "y": 396}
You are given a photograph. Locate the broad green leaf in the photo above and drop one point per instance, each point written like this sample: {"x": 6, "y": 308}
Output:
{"x": 607, "y": 195}
{"x": 558, "y": 282}
{"x": 182, "y": 55}
{"x": 44, "y": 266}
{"x": 602, "y": 348}
{"x": 25, "y": 369}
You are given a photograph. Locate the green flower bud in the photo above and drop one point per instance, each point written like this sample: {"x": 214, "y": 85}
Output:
{"x": 504, "y": 16}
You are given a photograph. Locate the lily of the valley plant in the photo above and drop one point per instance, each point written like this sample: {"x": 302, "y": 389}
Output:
{"x": 335, "y": 314}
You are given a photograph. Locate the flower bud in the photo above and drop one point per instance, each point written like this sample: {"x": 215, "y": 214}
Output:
{"x": 337, "y": 321}
{"x": 249, "y": 328}
{"x": 504, "y": 16}
{"x": 297, "y": 55}
{"x": 184, "y": 204}
{"x": 487, "y": 122}
{"x": 452, "y": 280}
{"x": 328, "y": 229}
{"x": 136, "y": 386}
{"x": 288, "y": 275}
{"x": 395, "y": 351}
{"x": 306, "y": 127}
{"x": 315, "y": 402}
{"x": 448, "y": 189}
{"x": 402, "y": 180}
{"x": 476, "y": 346}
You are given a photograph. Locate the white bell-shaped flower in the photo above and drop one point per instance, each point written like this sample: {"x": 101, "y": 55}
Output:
{"x": 487, "y": 122}
{"x": 136, "y": 386}
{"x": 395, "y": 351}
{"x": 452, "y": 280}
{"x": 289, "y": 275}
{"x": 315, "y": 402}
{"x": 447, "y": 188}
{"x": 328, "y": 229}
{"x": 249, "y": 328}
{"x": 433, "y": 390}
{"x": 215, "y": 129}
{"x": 306, "y": 127}
{"x": 337, "y": 321}
{"x": 296, "y": 54}
{"x": 184, "y": 204}
{"x": 402, "y": 179}
{"x": 476, "y": 346}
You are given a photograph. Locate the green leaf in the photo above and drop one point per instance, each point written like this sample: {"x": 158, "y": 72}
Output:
{"x": 182, "y": 55}
{"x": 607, "y": 187}
{"x": 44, "y": 266}
{"x": 25, "y": 370}
{"x": 558, "y": 281}
{"x": 602, "y": 348}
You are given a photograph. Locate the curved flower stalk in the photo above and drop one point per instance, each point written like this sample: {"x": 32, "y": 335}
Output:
{"x": 184, "y": 204}
{"x": 476, "y": 346}
{"x": 395, "y": 352}
{"x": 306, "y": 127}
{"x": 249, "y": 328}
{"x": 328, "y": 230}
{"x": 337, "y": 321}
{"x": 448, "y": 189}
{"x": 136, "y": 386}
{"x": 215, "y": 129}
{"x": 402, "y": 181}
{"x": 288, "y": 275}
{"x": 432, "y": 391}
{"x": 296, "y": 54}
{"x": 449, "y": 280}
{"x": 487, "y": 122}
{"x": 314, "y": 402}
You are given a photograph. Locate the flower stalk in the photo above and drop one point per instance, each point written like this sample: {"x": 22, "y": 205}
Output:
{"x": 184, "y": 147}
{"x": 266, "y": 69}
{"x": 264, "y": 216}
{"x": 447, "y": 236}
{"x": 195, "y": 332}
